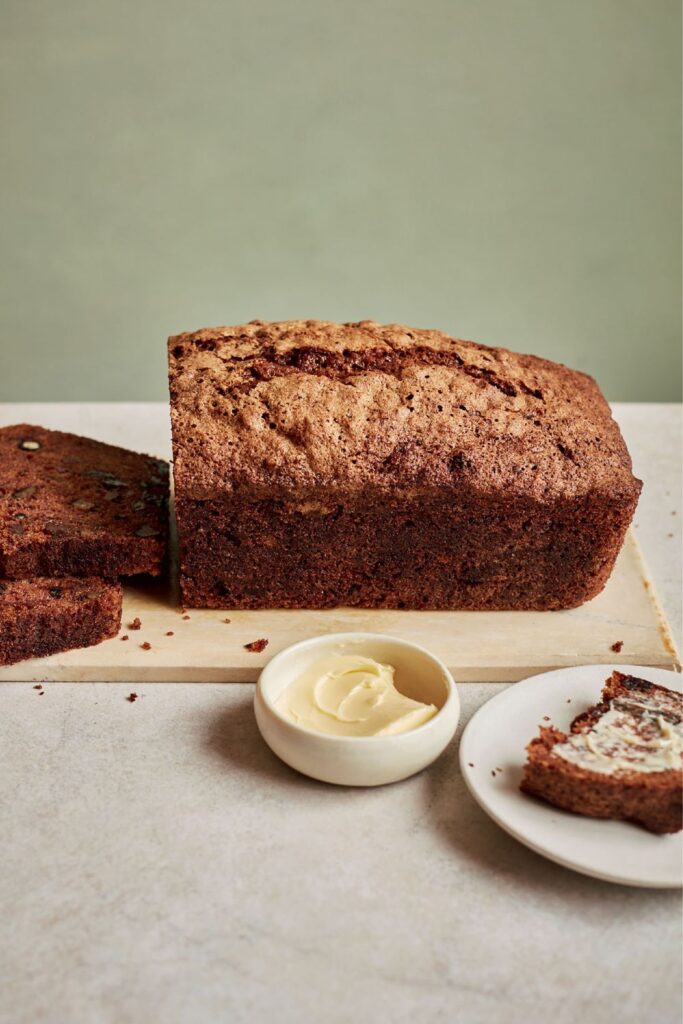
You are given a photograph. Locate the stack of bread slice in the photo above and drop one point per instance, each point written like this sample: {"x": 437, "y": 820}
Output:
{"x": 76, "y": 515}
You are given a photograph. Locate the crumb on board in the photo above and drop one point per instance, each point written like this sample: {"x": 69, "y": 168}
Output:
{"x": 227, "y": 621}
{"x": 131, "y": 698}
{"x": 146, "y": 646}
{"x": 135, "y": 624}
{"x": 186, "y": 617}
{"x": 125, "y": 636}
{"x": 256, "y": 646}
{"x": 170, "y": 633}
{"x": 616, "y": 646}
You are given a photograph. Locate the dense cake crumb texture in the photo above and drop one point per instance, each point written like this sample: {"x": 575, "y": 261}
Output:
{"x": 73, "y": 506}
{"x": 44, "y": 616}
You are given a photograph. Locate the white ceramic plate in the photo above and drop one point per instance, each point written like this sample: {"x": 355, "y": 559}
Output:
{"x": 496, "y": 737}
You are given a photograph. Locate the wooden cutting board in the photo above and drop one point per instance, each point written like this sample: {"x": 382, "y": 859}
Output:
{"x": 476, "y": 646}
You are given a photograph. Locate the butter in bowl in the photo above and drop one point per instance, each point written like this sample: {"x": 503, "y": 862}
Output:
{"x": 356, "y": 709}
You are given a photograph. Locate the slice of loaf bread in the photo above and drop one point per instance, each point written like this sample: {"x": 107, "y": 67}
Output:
{"x": 621, "y": 758}
{"x": 71, "y": 506}
{"x": 43, "y": 616}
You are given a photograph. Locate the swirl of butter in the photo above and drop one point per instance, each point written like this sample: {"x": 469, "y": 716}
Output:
{"x": 632, "y": 736}
{"x": 350, "y": 695}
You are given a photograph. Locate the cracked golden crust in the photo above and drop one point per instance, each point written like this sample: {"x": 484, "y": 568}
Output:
{"x": 291, "y": 409}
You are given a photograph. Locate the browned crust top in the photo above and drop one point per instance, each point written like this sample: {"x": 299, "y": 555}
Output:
{"x": 281, "y": 409}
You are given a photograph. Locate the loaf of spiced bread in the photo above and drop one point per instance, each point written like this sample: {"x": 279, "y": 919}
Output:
{"x": 320, "y": 464}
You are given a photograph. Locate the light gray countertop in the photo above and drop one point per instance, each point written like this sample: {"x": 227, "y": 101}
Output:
{"x": 159, "y": 863}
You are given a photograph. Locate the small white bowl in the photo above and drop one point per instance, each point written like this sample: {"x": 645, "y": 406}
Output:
{"x": 359, "y": 760}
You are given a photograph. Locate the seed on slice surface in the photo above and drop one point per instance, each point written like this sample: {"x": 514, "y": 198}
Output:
{"x": 146, "y": 531}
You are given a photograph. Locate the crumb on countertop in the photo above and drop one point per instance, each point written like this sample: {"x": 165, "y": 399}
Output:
{"x": 38, "y": 686}
{"x": 256, "y": 646}
{"x": 135, "y": 624}
{"x": 616, "y": 646}
{"x": 131, "y": 698}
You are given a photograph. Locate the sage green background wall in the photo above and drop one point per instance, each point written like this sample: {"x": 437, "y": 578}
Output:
{"x": 507, "y": 170}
